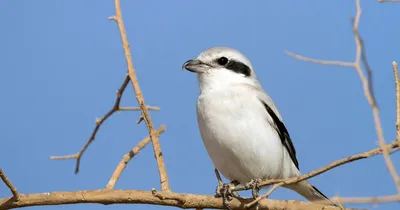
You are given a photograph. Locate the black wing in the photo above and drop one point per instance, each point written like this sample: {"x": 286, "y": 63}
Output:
{"x": 283, "y": 134}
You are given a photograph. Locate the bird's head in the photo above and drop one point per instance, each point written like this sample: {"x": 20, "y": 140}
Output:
{"x": 222, "y": 66}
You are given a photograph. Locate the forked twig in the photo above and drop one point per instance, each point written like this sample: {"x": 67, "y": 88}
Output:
{"x": 12, "y": 188}
{"x": 116, "y": 107}
{"x": 127, "y": 157}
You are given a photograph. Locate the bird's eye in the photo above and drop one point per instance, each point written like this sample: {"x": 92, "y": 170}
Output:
{"x": 222, "y": 61}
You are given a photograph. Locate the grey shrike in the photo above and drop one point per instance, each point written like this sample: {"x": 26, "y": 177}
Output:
{"x": 240, "y": 125}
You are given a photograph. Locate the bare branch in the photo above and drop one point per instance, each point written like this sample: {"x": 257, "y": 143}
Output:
{"x": 369, "y": 94}
{"x": 372, "y": 200}
{"x": 127, "y": 157}
{"x": 323, "y": 62}
{"x": 368, "y": 90}
{"x": 147, "y": 197}
{"x": 139, "y": 96}
{"x": 153, "y": 108}
{"x": 9, "y": 185}
{"x": 394, "y": 146}
{"x": 397, "y": 84}
{"x": 99, "y": 122}
{"x": 383, "y": 1}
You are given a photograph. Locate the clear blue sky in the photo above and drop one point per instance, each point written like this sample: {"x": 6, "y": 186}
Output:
{"x": 62, "y": 62}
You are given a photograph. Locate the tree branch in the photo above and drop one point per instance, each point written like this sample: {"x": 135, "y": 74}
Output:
{"x": 9, "y": 185}
{"x": 372, "y": 200}
{"x": 153, "y": 108}
{"x": 317, "y": 61}
{"x": 367, "y": 86}
{"x": 127, "y": 157}
{"x": 148, "y": 197}
{"x": 397, "y": 86}
{"x": 383, "y": 1}
{"x": 139, "y": 96}
{"x": 116, "y": 107}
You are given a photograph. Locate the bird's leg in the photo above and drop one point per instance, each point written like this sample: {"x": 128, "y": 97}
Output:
{"x": 254, "y": 184}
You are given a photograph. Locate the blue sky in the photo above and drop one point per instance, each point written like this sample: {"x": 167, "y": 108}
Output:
{"x": 62, "y": 62}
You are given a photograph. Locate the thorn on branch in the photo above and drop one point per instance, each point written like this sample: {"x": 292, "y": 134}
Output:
{"x": 141, "y": 118}
{"x": 168, "y": 196}
{"x": 220, "y": 183}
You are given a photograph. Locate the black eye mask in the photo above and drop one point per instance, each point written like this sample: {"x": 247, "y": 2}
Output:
{"x": 238, "y": 67}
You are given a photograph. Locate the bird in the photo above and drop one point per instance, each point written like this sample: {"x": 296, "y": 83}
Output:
{"x": 241, "y": 127}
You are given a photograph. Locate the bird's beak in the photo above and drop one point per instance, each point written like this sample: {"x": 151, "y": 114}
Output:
{"x": 195, "y": 65}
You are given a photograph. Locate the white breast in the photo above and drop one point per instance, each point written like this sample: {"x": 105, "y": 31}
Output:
{"x": 237, "y": 135}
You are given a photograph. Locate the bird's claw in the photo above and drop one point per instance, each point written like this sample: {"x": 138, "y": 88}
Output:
{"x": 225, "y": 191}
{"x": 254, "y": 185}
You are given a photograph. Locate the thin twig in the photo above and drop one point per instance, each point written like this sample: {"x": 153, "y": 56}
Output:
{"x": 153, "y": 108}
{"x": 393, "y": 146}
{"x": 139, "y": 96}
{"x": 383, "y": 1}
{"x": 339, "y": 202}
{"x": 220, "y": 183}
{"x": 6, "y": 181}
{"x": 323, "y": 62}
{"x": 372, "y": 200}
{"x": 127, "y": 157}
{"x": 397, "y": 84}
{"x": 99, "y": 122}
{"x": 273, "y": 188}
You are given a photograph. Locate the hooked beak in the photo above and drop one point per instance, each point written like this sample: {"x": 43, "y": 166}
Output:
{"x": 195, "y": 65}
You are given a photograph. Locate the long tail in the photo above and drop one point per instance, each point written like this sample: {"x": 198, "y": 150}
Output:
{"x": 311, "y": 193}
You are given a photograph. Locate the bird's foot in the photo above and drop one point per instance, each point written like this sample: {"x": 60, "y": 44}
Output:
{"x": 254, "y": 185}
{"x": 225, "y": 191}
